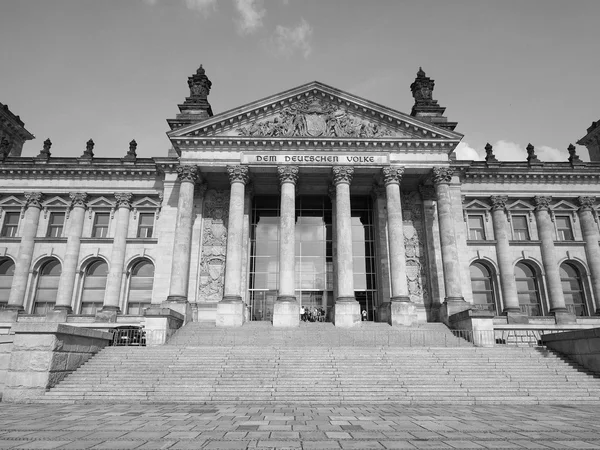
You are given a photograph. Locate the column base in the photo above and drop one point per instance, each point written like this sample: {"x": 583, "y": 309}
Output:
{"x": 564, "y": 317}
{"x": 108, "y": 313}
{"x": 514, "y": 315}
{"x": 177, "y": 299}
{"x": 402, "y": 313}
{"x": 230, "y": 312}
{"x": 9, "y": 315}
{"x": 451, "y": 306}
{"x": 346, "y": 313}
{"x": 286, "y": 312}
{"x": 181, "y": 307}
{"x": 57, "y": 315}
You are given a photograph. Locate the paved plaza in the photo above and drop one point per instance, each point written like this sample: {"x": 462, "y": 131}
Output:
{"x": 304, "y": 427}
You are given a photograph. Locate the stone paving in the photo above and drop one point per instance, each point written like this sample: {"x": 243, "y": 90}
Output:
{"x": 175, "y": 426}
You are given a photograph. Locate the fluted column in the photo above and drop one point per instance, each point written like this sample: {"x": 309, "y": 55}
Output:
{"x": 230, "y": 310}
{"x": 66, "y": 283}
{"x": 589, "y": 228}
{"x": 347, "y": 309}
{"x": 182, "y": 244}
{"x": 286, "y": 309}
{"x": 454, "y": 301}
{"x": 402, "y": 310}
{"x": 546, "y": 234}
{"x": 508, "y": 284}
{"x": 117, "y": 256}
{"x": 16, "y": 298}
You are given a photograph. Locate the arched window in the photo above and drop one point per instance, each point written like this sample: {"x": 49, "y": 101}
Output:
{"x": 7, "y": 270}
{"x": 47, "y": 287}
{"x": 482, "y": 285}
{"x": 573, "y": 289}
{"x": 94, "y": 285}
{"x": 140, "y": 287}
{"x": 528, "y": 289}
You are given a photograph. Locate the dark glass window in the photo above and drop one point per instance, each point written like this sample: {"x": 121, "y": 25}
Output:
{"x": 476, "y": 227}
{"x": 573, "y": 289}
{"x": 145, "y": 225}
{"x": 482, "y": 287}
{"x": 47, "y": 287}
{"x": 56, "y": 224}
{"x": 528, "y": 289}
{"x": 100, "y": 229}
{"x": 140, "y": 287}
{"x": 94, "y": 286}
{"x": 7, "y": 270}
{"x": 520, "y": 228}
{"x": 563, "y": 228}
{"x": 10, "y": 224}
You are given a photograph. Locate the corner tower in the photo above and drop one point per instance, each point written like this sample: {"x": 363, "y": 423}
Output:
{"x": 195, "y": 108}
{"x": 426, "y": 108}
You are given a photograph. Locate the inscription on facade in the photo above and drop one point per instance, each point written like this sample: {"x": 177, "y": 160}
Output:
{"x": 314, "y": 159}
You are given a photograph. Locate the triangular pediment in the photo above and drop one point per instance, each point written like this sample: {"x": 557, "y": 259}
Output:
{"x": 477, "y": 204}
{"x": 56, "y": 202}
{"x": 101, "y": 202}
{"x": 564, "y": 205}
{"x": 11, "y": 201}
{"x": 315, "y": 111}
{"x": 520, "y": 204}
{"x": 146, "y": 202}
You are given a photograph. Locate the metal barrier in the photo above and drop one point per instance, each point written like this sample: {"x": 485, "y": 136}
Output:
{"x": 128, "y": 336}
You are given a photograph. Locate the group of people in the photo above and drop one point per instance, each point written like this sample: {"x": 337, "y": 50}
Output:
{"x": 312, "y": 314}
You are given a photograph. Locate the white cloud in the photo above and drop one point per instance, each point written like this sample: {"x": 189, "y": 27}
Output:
{"x": 251, "y": 15}
{"x": 287, "y": 40}
{"x": 205, "y": 7}
{"x": 465, "y": 151}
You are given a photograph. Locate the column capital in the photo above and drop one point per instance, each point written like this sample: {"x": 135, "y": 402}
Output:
{"x": 188, "y": 173}
{"x": 123, "y": 199}
{"x": 542, "y": 202}
{"x": 287, "y": 174}
{"x": 498, "y": 202}
{"x": 342, "y": 174}
{"x": 442, "y": 175}
{"x": 33, "y": 199}
{"x": 78, "y": 199}
{"x": 238, "y": 174}
{"x": 427, "y": 192}
{"x": 392, "y": 175}
{"x": 586, "y": 203}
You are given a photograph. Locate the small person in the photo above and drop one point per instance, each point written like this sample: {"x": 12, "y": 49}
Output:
{"x": 302, "y": 314}
{"x": 364, "y": 315}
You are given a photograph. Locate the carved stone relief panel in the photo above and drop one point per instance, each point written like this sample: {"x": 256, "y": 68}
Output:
{"x": 414, "y": 238}
{"x": 214, "y": 246}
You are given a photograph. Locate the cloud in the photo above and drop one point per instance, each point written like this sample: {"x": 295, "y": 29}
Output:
{"x": 251, "y": 15}
{"x": 464, "y": 151}
{"x": 205, "y": 7}
{"x": 287, "y": 40}
{"x": 510, "y": 151}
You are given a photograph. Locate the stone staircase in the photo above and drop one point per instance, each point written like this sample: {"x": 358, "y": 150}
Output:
{"x": 256, "y": 364}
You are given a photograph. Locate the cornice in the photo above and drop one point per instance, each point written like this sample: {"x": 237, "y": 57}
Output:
{"x": 238, "y": 143}
{"x": 517, "y": 172}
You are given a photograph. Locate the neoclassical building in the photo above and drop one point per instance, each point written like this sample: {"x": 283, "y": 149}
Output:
{"x": 311, "y": 198}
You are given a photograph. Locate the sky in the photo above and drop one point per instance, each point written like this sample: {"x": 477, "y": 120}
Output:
{"x": 510, "y": 72}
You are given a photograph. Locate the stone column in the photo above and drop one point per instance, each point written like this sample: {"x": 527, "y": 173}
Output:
{"x": 454, "y": 301}
{"x": 508, "y": 284}
{"x": 546, "y": 233}
{"x": 347, "y": 309}
{"x": 402, "y": 310}
{"x": 66, "y": 282}
{"x": 182, "y": 244}
{"x": 589, "y": 228}
{"x": 16, "y": 298}
{"x": 112, "y": 293}
{"x": 286, "y": 311}
{"x": 230, "y": 310}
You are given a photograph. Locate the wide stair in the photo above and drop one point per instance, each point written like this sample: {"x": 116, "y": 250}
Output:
{"x": 319, "y": 364}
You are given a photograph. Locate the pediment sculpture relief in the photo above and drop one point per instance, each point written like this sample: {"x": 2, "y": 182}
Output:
{"x": 314, "y": 118}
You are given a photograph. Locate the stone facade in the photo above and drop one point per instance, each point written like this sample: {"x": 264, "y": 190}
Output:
{"x": 101, "y": 240}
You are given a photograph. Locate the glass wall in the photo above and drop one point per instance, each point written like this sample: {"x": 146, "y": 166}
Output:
{"x": 314, "y": 256}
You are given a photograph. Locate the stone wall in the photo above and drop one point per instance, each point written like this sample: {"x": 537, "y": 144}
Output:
{"x": 581, "y": 346}
{"x": 6, "y": 345}
{"x": 45, "y": 353}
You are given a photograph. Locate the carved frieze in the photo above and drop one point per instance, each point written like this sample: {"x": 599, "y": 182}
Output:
{"x": 315, "y": 118}
{"x": 416, "y": 276}
{"x": 214, "y": 245}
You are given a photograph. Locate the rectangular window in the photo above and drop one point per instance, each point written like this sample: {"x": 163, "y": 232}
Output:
{"x": 145, "y": 226}
{"x": 100, "y": 229}
{"x": 476, "y": 228}
{"x": 520, "y": 228}
{"x": 563, "y": 228}
{"x": 56, "y": 224}
{"x": 11, "y": 224}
